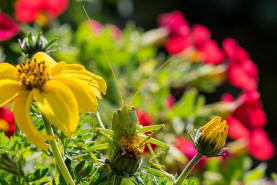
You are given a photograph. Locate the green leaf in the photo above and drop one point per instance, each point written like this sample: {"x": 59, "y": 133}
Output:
{"x": 256, "y": 174}
{"x": 38, "y": 38}
{"x": 38, "y": 174}
{"x": 30, "y": 40}
{"x": 80, "y": 166}
{"x": 62, "y": 181}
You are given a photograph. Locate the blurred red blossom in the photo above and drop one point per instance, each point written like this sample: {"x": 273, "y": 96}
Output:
{"x": 7, "y": 124}
{"x": 27, "y": 11}
{"x": 144, "y": 118}
{"x": 8, "y": 28}
{"x": 200, "y": 34}
{"x": 210, "y": 53}
{"x": 247, "y": 121}
{"x": 242, "y": 72}
{"x": 175, "y": 22}
{"x": 260, "y": 146}
{"x": 187, "y": 148}
{"x": 170, "y": 101}
{"x": 178, "y": 44}
{"x": 250, "y": 111}
{"x": 197, "y": 37}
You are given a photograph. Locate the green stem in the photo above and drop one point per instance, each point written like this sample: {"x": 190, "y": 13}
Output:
{"x": 99, "y": 120}
{"x": 57, "y": 154}
{"x": 188, "y": 169}
{"x": 117, "y": 180}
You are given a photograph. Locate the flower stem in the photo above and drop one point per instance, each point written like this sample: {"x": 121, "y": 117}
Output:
{"x": 117, "y": 180}
{"x": 57, "y": 154}
{"x": 99, "y": 120}
{"x": 188, "y": 169}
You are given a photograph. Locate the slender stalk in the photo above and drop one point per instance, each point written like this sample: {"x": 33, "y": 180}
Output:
{"x": 99, "y": 120}
{"x": 188, "y": 169}
{"x": 57, "y": 154}
{"x": 117, "y": 180}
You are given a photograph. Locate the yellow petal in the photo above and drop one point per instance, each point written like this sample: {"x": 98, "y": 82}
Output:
{"x": 79, "y": 72}
{"x": 7, "y": 71}
{"x": 211, "y": 124}
{"x": 24, "y": 122}
{"x": 9, "y": 89}
{"x": 84, "y": 95}
{"x": 41, "y": 56}
{"x": 58, "y": 104}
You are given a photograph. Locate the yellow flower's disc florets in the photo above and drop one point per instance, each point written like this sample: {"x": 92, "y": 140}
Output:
{"x": 33, "y": 74}
{"x": 210, "y": 139}
{"x": 132, "y": 145}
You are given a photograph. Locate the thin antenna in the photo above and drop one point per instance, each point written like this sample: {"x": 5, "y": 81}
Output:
{"x": 151, "y": 76}
{"x": 107, "y": 59}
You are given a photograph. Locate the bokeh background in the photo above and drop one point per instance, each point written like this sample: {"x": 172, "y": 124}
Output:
{"x": 252, "y": 22}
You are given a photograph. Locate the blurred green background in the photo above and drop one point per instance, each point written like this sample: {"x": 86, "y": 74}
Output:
{"x": 252, "y": 22}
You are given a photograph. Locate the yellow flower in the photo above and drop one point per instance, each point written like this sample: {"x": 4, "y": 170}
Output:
{"x": 60, "y": 90}
{"x": 210, "y": 139}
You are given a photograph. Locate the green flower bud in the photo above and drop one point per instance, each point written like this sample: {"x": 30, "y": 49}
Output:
{"x": 33, "y": 44}
{"x": 125, "y": 165}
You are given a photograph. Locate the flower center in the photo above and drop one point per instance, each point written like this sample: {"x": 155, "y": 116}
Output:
{"x": 33, "y": 74}
{"x": 131, "y": 144}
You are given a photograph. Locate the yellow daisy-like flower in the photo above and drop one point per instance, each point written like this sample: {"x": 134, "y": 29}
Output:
{"x": 60, "y": 90}
{"x": 210, "y": 139}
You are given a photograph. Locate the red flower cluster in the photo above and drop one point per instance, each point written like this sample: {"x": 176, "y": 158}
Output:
{"x": 247, "y": 122}
{"x": 242, "y": 72}
{"x": 7, "y": 124}
{"x": 27, "y": 11}
{"x": 183, "y": 38}
{"x": 8, "y": 28}
{"x": 187, "y": 148}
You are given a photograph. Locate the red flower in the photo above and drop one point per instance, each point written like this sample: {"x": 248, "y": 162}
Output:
{"x": 200, "y": 39}
{"x": 144, "y": 118}
{"x": 7, "y": 124}
{"x": 210, "y": 53}
{"x": 187, "y": 148}
{"x": 242, "y": 72}
{"x": 200, "y": 34}
{"x": 260, "y": 146}
{"x": 178, "y": 44}
{"x": 236, "y": 129}
{"x": 8, "y": 28}
{"x": 170, "y": 101}
{"x": 227, "y": 98}
{"x": 247, "y": 121}
{"x": 250, "y": 112}
{"x": 27, "y": 11}
{"x": 175, "y": 22}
